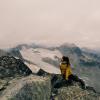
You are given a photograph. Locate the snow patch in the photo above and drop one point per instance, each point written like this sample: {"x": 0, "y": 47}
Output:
{"x": 36, "y": 58}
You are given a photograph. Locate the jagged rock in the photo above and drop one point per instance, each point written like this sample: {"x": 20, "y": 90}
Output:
{"x": 75, "y": 93}
{"x": 29, "y": 88}
{"x": 61, "y": 90}
{"x": 41, "y": 72}
{"x": 11, "y": 67}
{"x": 42, "y": 86}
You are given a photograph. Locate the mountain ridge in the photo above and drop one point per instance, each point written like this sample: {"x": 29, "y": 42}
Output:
{"x": 85, "y": 64}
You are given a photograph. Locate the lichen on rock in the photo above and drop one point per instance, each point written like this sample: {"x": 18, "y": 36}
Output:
{"x": 28, "y": 88}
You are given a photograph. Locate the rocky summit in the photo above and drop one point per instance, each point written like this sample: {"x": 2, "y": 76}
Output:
{"x": 28, "y": 88}
{"x": 75, "y": 92}
{"x": 10, "y": 67}
{"x": 17, "y": 82}
{"x": 61, "y": 90}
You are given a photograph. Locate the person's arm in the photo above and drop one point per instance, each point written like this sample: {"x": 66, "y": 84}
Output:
{"x": 58, "y": 58}
{"x": 67, "y": 73}
{"x": 70, "y": 70}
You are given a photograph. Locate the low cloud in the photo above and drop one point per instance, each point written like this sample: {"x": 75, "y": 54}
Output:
{"x": 24, "y": 21}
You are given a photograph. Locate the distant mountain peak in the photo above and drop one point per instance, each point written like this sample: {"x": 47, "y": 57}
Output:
{"x": 69, "y": 44}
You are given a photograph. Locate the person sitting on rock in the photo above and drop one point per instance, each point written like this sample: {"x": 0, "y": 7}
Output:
{"x": 67, "y": 74}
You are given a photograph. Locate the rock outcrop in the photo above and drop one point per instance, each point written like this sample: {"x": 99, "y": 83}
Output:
{"x": 60, "y": 90}
{"x": 35, "y": 87}
{"x": 11, "y": 67}
{"x": 75, "y": 92}
{"x": 28, "y": 88}
{"x": 17, "y": 82}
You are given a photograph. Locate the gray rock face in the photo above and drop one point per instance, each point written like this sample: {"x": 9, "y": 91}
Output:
{"x": 60, "y": 90}
{"x": 29, "y": 88}
{"x": 15, "y": 84}
{"x": 41, "y": 87}
{"x": 75, "y": 93}
{"x": 11, "y": 67}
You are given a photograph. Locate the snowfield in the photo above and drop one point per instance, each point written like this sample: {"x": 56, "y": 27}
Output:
{"x": 35, "y": 56}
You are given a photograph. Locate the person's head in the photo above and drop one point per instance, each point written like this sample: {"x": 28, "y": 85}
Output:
{"x": 65, "y": 59}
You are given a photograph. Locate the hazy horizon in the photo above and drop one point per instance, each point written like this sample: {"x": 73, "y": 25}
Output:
{"x": 50, "y": 21}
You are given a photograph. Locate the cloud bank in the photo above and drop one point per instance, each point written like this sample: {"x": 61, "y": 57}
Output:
{"x": 74, "y": 21}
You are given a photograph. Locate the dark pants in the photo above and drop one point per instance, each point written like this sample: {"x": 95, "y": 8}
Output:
{"x": 75, "y": 78}
{"x": 57, "y": 83}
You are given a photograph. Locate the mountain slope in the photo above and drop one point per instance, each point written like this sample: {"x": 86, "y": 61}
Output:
{"x": 85, "y": 64}
{"x": 28, "y": 88}
{"x": 41, "y": 87}
{"x": 12, "y": 67}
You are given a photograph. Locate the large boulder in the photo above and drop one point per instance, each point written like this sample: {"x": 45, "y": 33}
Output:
{"x": 75, "y": 93}
{"x": 61, "y": 90}
{"x": 28, "y": 88}
{"x": 12, "y": 67}
{"x": 45, "y": 86}
{"x": 41, "y": 72}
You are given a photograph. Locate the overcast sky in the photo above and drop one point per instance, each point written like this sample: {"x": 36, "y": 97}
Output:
{"x": 54, "y": 21}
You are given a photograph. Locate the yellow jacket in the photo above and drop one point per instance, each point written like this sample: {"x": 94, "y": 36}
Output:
{"x": 65, "y": 70}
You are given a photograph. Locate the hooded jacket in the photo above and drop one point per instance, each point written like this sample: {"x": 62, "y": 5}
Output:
{"x": 65, "y": 70}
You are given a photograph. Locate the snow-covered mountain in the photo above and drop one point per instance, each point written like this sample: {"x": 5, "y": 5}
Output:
{"x": 36, "y": 56}
{"x": 85, "y": 64}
